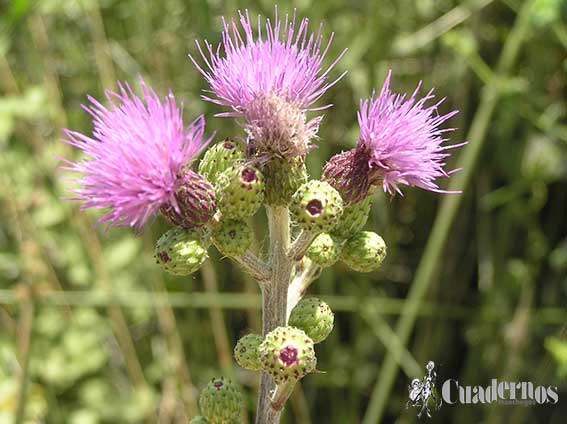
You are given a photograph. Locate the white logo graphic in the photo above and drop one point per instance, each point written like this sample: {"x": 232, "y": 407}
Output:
{"x": 423, "y": 393}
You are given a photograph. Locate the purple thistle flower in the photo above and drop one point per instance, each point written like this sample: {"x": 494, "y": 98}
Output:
{"x": 135, "y": 157}
{"x": 271, "y": 79}
{"x": 400, "y": 142}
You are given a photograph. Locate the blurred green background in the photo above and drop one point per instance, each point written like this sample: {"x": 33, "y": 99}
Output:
{"x": 92, "y": 332}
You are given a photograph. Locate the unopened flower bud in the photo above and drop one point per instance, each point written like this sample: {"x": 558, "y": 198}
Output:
{"x": 313, "y": 316}
{"x": 199, "y": 419}
{"x": 180, "y": 251}
{"x": 282, "y": 179}
{"x": 349, "y": 173}
{"x": 195, "y": 198}
{"x": 247, "y": 353}
{"x": 233, "y": 237}
{"x": 364, "y": 252}
{"x": 353, "y": 219}
{"x": 221, "y": 402}
{"x": 316, "y": 206}
{"x": 287, "y": 354}
{"x": 240, "y": 191}
{"x": 324, "y": 251}
{"x": 219, "y": 158}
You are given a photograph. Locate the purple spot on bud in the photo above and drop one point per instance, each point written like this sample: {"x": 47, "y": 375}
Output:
{"x": 218, "y": 384}
{"x": 248, "y": 175}
{"x": 164, "y": 257}
{"x": 288, "y": 355}
{"x": 314, "y": 207}
{"x": 227, "y": 145}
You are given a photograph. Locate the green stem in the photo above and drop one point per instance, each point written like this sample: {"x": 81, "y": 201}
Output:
{"x": 282, "y": 394}
{"x": 447, "y": 213}
{"x": 274, "y": 301}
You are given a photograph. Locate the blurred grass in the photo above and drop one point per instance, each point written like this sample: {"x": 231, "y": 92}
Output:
{"x": 100, "y": 335}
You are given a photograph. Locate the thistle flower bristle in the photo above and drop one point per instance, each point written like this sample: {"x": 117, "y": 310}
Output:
{"x": 137, "y": 149}
{"x": 271, "y": 79}
{"x": 403, "y": 139}
{"x": 400, "y": 142}
{"x": 287, "y": 62}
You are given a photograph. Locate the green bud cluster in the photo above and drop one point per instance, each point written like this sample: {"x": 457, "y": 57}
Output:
{"x": 247, "y": 352}
{"x": 240, "y": 191}
{"x": 180, "y": 251}
{"x": 324, "y": 250}
{"x": 221, "y": 402}
{"x": 364, "y": 252}
{"x": 314, "y": 317}
{"x": 233, "y": 237}
{"x": 241, "y": 185}
{"x": 316, "y": 206}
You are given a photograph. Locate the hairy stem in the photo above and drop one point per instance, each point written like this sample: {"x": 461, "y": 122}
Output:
{"x": 274, "y": 300}
{"x": 301, "y": 244}
{"x": 254, "y": 266}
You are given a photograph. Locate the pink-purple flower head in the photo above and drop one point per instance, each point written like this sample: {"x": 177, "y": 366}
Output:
{"x": 400, "y": 142}
{"x": 136, "y": 155}
{"x": 271, "y": 78}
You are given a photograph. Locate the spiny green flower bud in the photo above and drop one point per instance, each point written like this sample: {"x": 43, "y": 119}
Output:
{"x": 221, "y": 402}
{"x": 219, "y": 158}
{"x": 233, "y": 237}
{"x": 364, "y": 252}
{"x": 180, "y": 251}
{"x": 282, "y": 179}
{"x": 247, "y": 352}
{"x": 353, "y": 219}
{"x": 313, "y": 316}
{"x": 199, "y": 419}
{"x": 240, "y": 191}
{"x": 324, "y": 250}
{"x": 287, "y": 354}
{"x": 316, "y": 206}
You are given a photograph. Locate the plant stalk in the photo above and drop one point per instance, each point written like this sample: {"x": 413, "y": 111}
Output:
{"x": 274, "y": 300}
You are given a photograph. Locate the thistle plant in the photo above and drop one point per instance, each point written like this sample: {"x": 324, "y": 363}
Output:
{"x": 141, "y": 162}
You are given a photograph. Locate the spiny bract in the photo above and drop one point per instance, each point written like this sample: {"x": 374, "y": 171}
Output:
{"x": 287, "y": 354}
{"x": 324, "y": 251}
{"x": 247, "y": 353}
{"x": 233, "y": 237}
{"x": 364, "y": 252}
{"x": 316, "y": 206}
{"x": 240, "y": 191}
{"x": 282, "y": 179}
{"x": 221, "y": 402}
{"x": 313, "y": 316}
{"x": 180, "y": 251}
{"x": 219, "y": 158}
{"x": 195, "y": 202}
{"x": 353, "y": 219}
